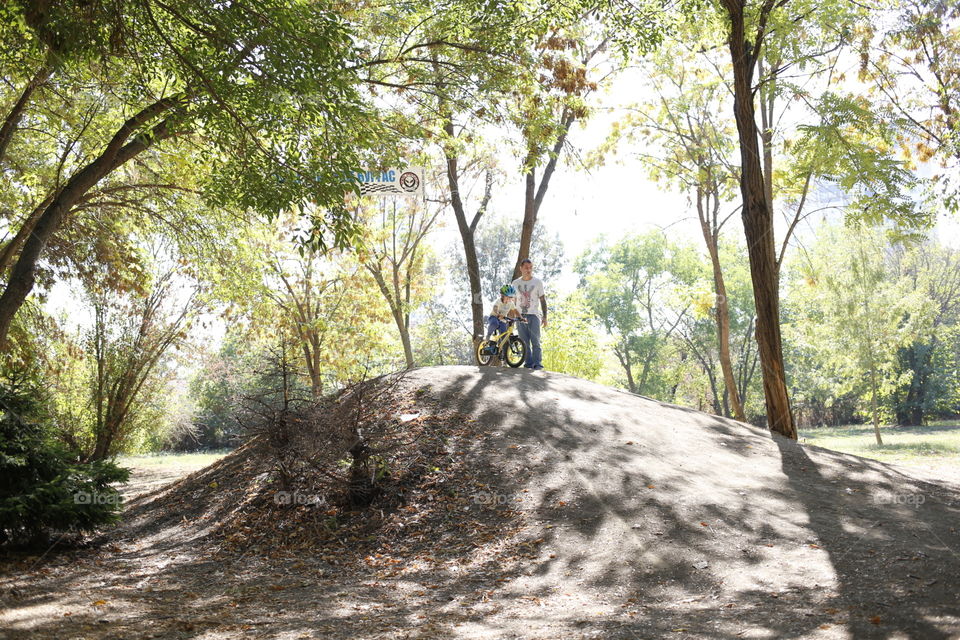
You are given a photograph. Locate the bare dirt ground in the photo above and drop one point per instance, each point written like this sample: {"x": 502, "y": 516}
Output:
{"x": 558, "y": 509}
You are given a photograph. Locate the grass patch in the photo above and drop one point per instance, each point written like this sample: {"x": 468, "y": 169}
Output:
{"x": 173, "y": 459}
{"x": 939, "y": 442}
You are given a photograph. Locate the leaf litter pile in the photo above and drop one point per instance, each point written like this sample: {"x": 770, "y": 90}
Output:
{"x": 374, "y": 474}
{"x": 415, "y": 483}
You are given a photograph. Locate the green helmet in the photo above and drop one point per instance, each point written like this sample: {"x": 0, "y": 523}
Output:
{"x": 508, "y": 290}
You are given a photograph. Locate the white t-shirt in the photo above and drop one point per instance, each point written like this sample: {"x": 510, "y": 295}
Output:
{"x": 501, "y": 308}
{"x": 528, "y": 295}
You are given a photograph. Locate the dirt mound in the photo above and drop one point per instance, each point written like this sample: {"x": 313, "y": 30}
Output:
{"x": 537, "y": 505}
{"x": 649, "y": 505}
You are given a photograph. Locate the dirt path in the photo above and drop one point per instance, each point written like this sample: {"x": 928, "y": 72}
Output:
{"x": 147, "y": 478}
{"x": 634, "y": 519}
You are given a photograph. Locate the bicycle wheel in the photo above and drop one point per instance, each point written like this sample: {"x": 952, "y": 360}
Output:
{"x": 516, "y": 352}
{"x": 483, "y": 358}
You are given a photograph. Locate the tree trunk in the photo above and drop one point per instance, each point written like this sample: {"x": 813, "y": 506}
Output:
{"x": 766, "y": 96}
{"x": 117, "y": 152}
{"x": 104, "y": 441}
{"x": 407, "y": 349}
{"x": 529, "y": 219}
{"x": 723, "y": 335}
{"x": 533, "y": 194}
{"x": 628, "y": 368}
{"x": 100, "y": 355}
{"x": 395, "y": 310}
{"x": 102, "y": 447}
{"x": 311, "y": 356}
{"x": 403, "y": 314}
{"x": 12, "y": 247}
{"x": 646, "y": 370}
{"x": 874, "y": 409}
{"x": 12, "y": 121}
{"x": 758, "y": 229}
{"x": 722, "y": 314}
{"x": 467, "y": 235}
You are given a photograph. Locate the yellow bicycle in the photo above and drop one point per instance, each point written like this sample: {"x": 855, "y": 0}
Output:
{"x": 506, "y": 344}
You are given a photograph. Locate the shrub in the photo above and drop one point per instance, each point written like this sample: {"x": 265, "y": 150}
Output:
{"x": 43, "y": 489}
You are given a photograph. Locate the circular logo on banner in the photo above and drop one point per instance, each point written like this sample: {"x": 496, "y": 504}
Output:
{"x": 409, "y": 181}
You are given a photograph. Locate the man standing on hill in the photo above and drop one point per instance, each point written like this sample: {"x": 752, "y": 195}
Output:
{"x": 532, "y": 303}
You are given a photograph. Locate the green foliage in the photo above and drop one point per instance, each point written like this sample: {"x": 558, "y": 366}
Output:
{"x": 438, "y": 337}
{"x": 393, "y": 254}
{"x": 848, "y": 316}
{"x": 640, "y": 288}
{"x": 928, "y": 380}
{"x": 929, "y": 368}
{"x": 571, "y": 344}
{"x": 216, "y": 389}
{"x": 42, "y": 487}
{"x": 682, "y": 129}
{"x": 639, "y": 27}
{"x": 854, "y": 148}
{"x": 913, "y": 65}
{"x": 324, "y": 310}
{"x": 278, "y": 116}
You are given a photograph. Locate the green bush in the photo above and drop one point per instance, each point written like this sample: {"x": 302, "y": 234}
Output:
{"x": 43, "y": 488}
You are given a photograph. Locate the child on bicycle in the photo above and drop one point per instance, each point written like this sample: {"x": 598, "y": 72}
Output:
{"x": 502, "y": 308}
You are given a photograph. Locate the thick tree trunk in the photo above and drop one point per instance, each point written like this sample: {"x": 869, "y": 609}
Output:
{"x": 758, "y": 229}
{"x": 104, "y": 441}
{"x": 117, "y": 152}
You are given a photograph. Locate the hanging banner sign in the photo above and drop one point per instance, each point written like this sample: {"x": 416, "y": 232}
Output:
{"x": 392, "y": 182}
